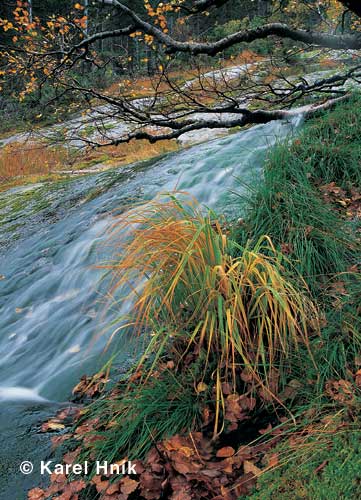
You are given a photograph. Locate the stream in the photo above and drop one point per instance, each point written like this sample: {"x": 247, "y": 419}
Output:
{"x": 54, "y": 323}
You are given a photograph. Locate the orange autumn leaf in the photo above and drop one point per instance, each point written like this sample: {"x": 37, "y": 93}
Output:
{"x": 225, "y": 452}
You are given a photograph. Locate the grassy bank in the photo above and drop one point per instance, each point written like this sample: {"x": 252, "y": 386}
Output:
{"x": 250, "y": 376}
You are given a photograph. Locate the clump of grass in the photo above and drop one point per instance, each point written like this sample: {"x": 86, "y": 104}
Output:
{"x": 240, "y": 312}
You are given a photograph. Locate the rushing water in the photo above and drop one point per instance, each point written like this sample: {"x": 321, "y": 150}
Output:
{"x": 51, "y": 295}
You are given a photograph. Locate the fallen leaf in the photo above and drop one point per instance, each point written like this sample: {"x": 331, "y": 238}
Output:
{"x": 249, "y": 466}
{"x": 36, "y": 494}
{"x": 113, "y": 488}
{"x": 201, "y": 387}
{"x": 358, "y": 378}
{"x": 127, "y": 485}
{"x": 340, "y": 390}
{"x": 273, "y": 460}
{"x": 52, "y": 426}
{"x": 225, "y": 452}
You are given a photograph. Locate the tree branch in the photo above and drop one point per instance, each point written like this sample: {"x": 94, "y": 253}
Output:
{"x": 272, "y": 29}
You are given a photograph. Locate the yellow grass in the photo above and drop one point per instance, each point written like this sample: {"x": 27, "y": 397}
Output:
{"x": 130, "y": 152}
{"x": 21, "y": 160}
{"x": 24, "y": 163}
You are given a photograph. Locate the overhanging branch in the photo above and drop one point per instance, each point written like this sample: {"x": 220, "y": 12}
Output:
{"x": 330, "y": 41}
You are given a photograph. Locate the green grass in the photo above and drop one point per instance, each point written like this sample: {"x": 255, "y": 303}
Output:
{"x": 287, "y": 206}
{"x": 135, "y": 419}
{"x": 297, "y": 476}
{"x": 322, "y": 246}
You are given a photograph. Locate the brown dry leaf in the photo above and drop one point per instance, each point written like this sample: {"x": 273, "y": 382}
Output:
{"x": 71, "y": 490}
{"x": 91, "y": 386}
{"x": 113, "y": 488}
{"x": 58, "y": 478}
{"x": 115, "y": 496}
{"x": 266, "y": 429}
{"x": 127, "y": 485}
{"x": 247, "y": 403}
{"x": 358, "y": 378}
{"x": 70, "y": 413}
{"x": 138, "y": 465}
{"x": 249, "y": 466}
{"x": 183, "y": 465}
{"x": 291, "y": 390}
{"x": 225, "y": 452}
{"x": 338, "y": 288}
{"x": 71, "y": 456}
{"x": 226, "y": 388}
{"x": 188, "y": 452}
{"x": 151, "y": 486}
{"x": 181, "y": 495}
{"x": 226, "y": 494}
{"x": 36, "y": 494}
{"x": 340, "y": 390}
{"x": 206, "y": 415}
{"x": 174, "y": 443}
{"x": 76, "y": 486}
{"x": 201, "y": 387}
{"x": 245, "y": 484}
{"x": 52, "y": 425}
{"x": 286, "y": 248}
{"x": 273, "y": 460}
{"x": 181, "y": 488}
{"x": 331, "y": 188}
{"x": 226, "y": 466}
{"x": 234, "y": 411}
{"x": 58, "y": 440}
{"x": 247, "y": 375}
{"x": 100, "y": 484}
